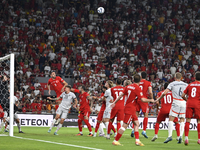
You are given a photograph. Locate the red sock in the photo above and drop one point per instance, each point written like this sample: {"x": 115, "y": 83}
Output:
{"x": 118, "y": 137}
{"x": 145, "y": 121}
{"x": 109, "y": 127}
{"x": 113, "y": 128}
{"x": 133, "y": 126}
{"x": 187, "y": 127}
{"x": 136, "y": 135}
{"x": 97, "y": 127}
{"x": 118, "y": 126}
{"x": 156, "y": 128}
{"x": 80, "y": 125}
{"x": 178, "y": 129}
{"x": 88, "y": 125}
{"x": 5, "y": 126}
{"x": 198, "y": 130}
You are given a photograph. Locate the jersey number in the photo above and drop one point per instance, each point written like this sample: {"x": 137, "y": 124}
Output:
{"x": 180, "y": 92}
{"x": 116, "y": 93}
{"x": 168, "y": 99}
{"x": 55, "y": 84}
{"x": 193, "y": 93}
{"x": 141, "y": 87}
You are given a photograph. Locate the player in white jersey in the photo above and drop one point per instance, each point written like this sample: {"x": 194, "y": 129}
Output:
{"x": 178, "y": 107}
{"x": 108, "y": 98}
{"x": 63, "y": 109}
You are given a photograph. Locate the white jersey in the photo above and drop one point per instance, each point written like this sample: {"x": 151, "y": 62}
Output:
{"x": 67, "y": 100}
{"x": 108, "y": 97}
{"x": 177, "y": 88}
{"x": 15, "y": 99}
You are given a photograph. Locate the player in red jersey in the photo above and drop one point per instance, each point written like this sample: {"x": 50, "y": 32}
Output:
{"x": 84, "y": 109}
{"x": 192, "y": 105}
{"x": 57, "y": 83}
{"x": 100, "y": 115}
{"x": 118, "y": 110}
{"x": 146, "y": 89}
{"x": 166, "y": 103}
{"x": 133, "y": 93}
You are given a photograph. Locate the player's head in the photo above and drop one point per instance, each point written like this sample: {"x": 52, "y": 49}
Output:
{"x": 68, "y": 88}
{"x": 53, "y": 75}
{"x": 109, "y": 84}
{"x": 178, "y": 76}
{"x": 197, "y": 76}
{"x": 127, "y": 82}
{"x": 137, "y": 78}
{"x": 165, "y": 85}
{"x": 104, "y": 89}
{"x": 119, "y": 81}
{"x": 143, "y": 75}
{"x": 82, "y": 88}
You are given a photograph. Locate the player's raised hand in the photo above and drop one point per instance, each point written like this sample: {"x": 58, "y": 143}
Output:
{"x": 49, "y": 92}
{"x": 156, "y": 100}
{"x": 112, "y": 105}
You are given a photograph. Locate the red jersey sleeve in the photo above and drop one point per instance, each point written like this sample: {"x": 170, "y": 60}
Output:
{"x": 76, "y": 91}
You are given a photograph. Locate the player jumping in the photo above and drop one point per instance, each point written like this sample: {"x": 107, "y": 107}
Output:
{"x": 146, "y": 88}
{"x": 178, "y": 105}
{"x": 166, "y": 103}
{"x": 133, "y": 93}
{"x": 192, "y": 105}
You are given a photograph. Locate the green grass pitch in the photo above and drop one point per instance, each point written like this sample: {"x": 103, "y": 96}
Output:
{"x": 68, "y": 136}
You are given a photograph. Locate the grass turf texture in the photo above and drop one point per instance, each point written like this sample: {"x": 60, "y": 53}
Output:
{"x": 68, "y": 136}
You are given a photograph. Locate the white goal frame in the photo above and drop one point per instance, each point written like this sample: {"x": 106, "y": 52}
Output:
{"x": 12, "y": 72}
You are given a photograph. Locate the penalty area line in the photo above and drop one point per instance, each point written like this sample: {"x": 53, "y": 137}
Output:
{"x": 51, "y": 142}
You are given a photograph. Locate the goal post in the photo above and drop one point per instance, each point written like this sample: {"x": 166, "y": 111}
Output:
{"x": 7, "y": 69}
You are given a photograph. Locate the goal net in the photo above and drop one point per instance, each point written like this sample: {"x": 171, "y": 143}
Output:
{"x": 7, "y": 88}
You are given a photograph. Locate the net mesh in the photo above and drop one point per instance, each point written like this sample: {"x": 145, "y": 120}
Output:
{"x": 4, "y": 83}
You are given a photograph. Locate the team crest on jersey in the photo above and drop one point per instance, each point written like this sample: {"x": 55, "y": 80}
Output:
{"x": 141, "y": 93}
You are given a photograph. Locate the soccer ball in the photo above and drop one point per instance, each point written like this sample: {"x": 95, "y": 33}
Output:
{"x": 100, "y": 10}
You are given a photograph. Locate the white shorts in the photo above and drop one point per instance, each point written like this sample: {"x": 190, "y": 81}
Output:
{"x": 106, "y": 114}
{"x": 6, "y": 115}
{"x": 178, "y": 110}
{"x": 62, "y": 112}
{"x": 16, "y": 116}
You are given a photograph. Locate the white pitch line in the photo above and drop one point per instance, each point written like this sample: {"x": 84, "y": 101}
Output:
{"x": 51, "y": 142}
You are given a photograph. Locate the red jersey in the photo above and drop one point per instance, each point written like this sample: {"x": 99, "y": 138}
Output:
{"x": 193, "y": 92}
{"x": 39, "y": 106}
{"x": 133, "y": 93}
{"x": 144, "y": 85}
{"x": 166, "y": 101}
{"x": 103, "y": 106}
{"x": 56, "y": 83}
{"x": 115, "y": 92}
{"x": 84, "y": 102}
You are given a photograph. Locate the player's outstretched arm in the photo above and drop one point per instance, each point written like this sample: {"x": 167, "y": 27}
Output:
{"x": 145, "y": 100}
{"x": 184, "y": 96}
{"x": 163, "y": 94}
{"x": 75, "y": 102}
{"x": 48, "y": 86}
{"x": 53, "y": 99}
{"x": 65, "y": 84}
{"x": 150, "y": 92}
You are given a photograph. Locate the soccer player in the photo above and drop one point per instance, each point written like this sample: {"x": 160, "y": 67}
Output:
{"x": 192, "y": 105}
{"x": 108, "y": 98}
{"x": 84, "y": 109}
{"x": 57, "y": 83}
{"x": 133, "y": 93}
{"x": 178, "y": 105}
{"x": 146, "y": 88}
{"x": 100, "y": 115}
{"x": 166, "y": 103}
{"x": 63, "y": 109}
{"x": 118, "y": 110}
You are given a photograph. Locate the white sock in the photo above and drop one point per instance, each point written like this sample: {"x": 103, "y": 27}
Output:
{"x": 59, "y": 126}
{"x": 81, "y": 132}
{"x": 7, "y": 127}
{"x": 91, "y": 132}
{"x": 170, "y": 128}
{"x": 137, "y": 140}
{"x": 186, "y": 137}
{"x": 52, "y": 124}
{"x": 101, "y": 128}
{"x": 2, "y": 124}
{"x": 106, "y": 124}
{"x": 121, "y": 122}
{"x": 19, "y": 126}
{"x": 182, "y": 125}
{"x": 144, "y": 131}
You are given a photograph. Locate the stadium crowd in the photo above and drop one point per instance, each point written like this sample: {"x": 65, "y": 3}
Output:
{"x": 160, "y": 37}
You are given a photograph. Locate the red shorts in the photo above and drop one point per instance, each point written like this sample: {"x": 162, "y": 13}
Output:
{"x": 100, "y": 116}
{"x": 128, "y": 118}
{"x": 84, "y": 113}
{"x": 162, "y": 115}
{"x": 117, "y": 112}
{"x": 143, "y": 106}
{"x": 2, "y": 115}
{"x": 192, "y": 112}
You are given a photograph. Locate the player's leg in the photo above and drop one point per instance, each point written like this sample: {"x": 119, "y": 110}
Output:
{"x": 16, "y": 118}
{"x": 198, "y": 129}
{"x": 99, "y": 121}
{"x": 63, "y": 117}
{"x": 138, "y": 107}
{"x": 101, "y": 131}
{"x": 109, "y": 128}
{"x": 5, "y": 115}
{"x": 80, "y": 119}
{"x": 58, "y": 113}
{"x": 177, "y": 127}
{"x": 120, "y": 118}
{"x": 182, "y": 122}
{"x": 156, "y": 131}
{"x": 114, "y": 112}
{"x": 136, "y": 129}
{"x": 86, "y": 117}
{"x": 187, "y": 128}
